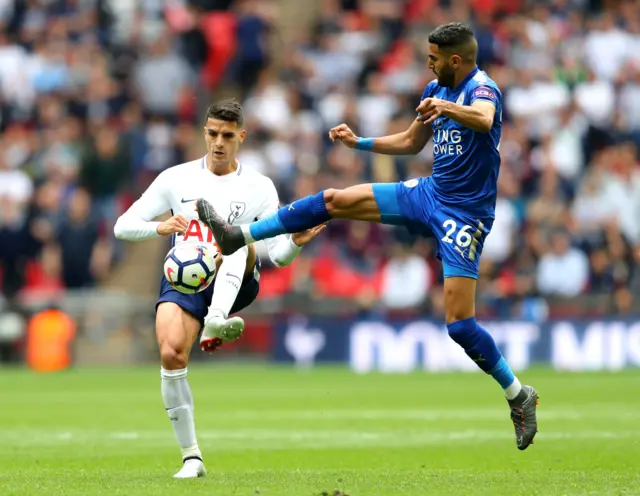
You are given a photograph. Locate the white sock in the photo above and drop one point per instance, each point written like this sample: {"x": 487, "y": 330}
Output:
{"x": 228, "y": 282}
{"x": 247, "y": 234}
{"x": 513, "y": 390}
{"x": 178, "y": 402}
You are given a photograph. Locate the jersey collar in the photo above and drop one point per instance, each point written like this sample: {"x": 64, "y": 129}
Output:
{"x": 466, "y": 79}
{"x": 204, "y": 165}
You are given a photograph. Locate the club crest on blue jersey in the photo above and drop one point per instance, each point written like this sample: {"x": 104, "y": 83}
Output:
{"x": 438, "y": 123}
{"x": 411, "y": 183}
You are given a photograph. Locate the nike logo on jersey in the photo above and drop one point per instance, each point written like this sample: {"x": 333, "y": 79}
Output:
{"x": 188, "y": 201}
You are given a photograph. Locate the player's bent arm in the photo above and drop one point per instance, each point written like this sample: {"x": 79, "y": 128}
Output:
{"x": 282, "y": 250}
{"x": 409, "y": 142}
{"x": 478, "y": 116}
{"x": 132, "y": 226}
{"x": 137, "y": 224}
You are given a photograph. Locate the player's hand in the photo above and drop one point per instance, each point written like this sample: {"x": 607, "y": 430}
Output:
{"x": 176, "y": 224}
{"x": 304, "y": 237}
{"x": 345, "y": 134}
{"x": 430, "y": 109}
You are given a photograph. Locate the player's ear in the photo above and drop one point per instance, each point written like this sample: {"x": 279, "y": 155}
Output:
{"x": 243, "y": 135}
{"x": 455, "y": 61}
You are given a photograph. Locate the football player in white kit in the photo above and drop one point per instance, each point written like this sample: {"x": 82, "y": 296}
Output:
{"x": 243, "y": 195}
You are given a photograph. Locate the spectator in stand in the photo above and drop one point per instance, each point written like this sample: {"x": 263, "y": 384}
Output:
{"x": 105, "y": 171}
{"x": 84, "y": 257}
{"x": 563, "y": 270}
{"x": 252, "y": 56}
{"x": 406, "y": 279}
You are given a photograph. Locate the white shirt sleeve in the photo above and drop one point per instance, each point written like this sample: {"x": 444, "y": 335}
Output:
{"x": 282, "y": 250}
{"x": 136, "y": 223}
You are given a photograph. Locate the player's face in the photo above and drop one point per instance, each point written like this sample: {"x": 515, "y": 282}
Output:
{"x": 443, "y": 65}
{"x": 223, "y": 140}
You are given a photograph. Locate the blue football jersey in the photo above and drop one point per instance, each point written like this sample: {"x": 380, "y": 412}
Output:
{"x": 466, "y": 163}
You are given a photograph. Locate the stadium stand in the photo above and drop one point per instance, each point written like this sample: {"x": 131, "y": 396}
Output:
{"x": 85, "y": 129}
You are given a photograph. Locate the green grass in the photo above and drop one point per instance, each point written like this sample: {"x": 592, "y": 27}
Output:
{"x": 276, "y": 431}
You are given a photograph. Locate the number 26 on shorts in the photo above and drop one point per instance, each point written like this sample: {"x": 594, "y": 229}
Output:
{"x": 467, "y": 237}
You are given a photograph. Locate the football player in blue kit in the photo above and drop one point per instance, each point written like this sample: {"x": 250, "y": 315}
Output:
{"x": 462, "y": 111}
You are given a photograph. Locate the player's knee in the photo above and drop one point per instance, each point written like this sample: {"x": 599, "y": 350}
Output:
{"x": 459, "y": 303}
{"x": 457, "y": 314}
{"x": 336, "y": 200}
{"x": 172, "y": 357}
{"x": 329, "y": 198}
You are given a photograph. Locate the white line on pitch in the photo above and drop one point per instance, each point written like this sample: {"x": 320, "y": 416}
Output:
{"x": 268, "y": 439}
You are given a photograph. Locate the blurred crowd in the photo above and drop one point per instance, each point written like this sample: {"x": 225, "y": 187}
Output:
{"x": 99, "y": 96}
{"x": 96, "y": 98}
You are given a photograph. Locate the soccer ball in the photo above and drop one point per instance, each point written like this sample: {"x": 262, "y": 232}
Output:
{"x": 190, "y": 268}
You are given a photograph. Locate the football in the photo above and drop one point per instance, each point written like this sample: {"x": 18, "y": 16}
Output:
{"x": 190, "y": 268}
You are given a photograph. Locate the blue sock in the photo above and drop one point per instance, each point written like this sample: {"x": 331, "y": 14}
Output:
{"x": 269, "y": 227}
{"x": 502, "y": 373}
{"x": 482, "y": 349}
{"x": 302, "y": 214}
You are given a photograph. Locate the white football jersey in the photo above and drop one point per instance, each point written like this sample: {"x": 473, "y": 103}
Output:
{"x": 241, "y": 197}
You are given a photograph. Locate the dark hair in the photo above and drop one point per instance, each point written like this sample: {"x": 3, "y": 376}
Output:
{"x": 226, "y": 110}
{"x": 451, "y": 35}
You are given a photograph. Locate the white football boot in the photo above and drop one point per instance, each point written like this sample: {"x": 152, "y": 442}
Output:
{"x": 192, "y": 469}
{"x": 218, "y": 330}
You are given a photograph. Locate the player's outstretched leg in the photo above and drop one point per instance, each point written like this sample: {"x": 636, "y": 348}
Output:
{"x": 356, "y": 203}
{"x": 218, "y": 327}
{"x": 176, "y": 330}
{"x": 481, "y": 348}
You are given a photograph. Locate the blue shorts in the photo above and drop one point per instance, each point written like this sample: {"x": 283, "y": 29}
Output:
{"x": 198, "y": 304}
{"x": 460, "y": 236}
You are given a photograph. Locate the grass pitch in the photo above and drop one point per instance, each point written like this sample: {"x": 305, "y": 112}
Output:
{"x": 276, "y": 431}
